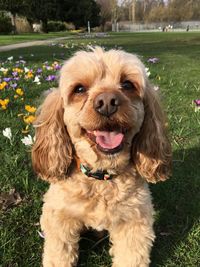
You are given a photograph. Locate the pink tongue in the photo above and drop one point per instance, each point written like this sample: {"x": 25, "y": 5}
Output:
{"x": 108, "y": 140}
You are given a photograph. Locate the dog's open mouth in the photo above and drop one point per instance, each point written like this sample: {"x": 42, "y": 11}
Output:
{"x": 107, "y": 141}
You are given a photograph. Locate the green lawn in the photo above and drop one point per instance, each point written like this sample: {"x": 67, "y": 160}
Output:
{"x": 19, "y": 38}
{"x": 176, "y": 201}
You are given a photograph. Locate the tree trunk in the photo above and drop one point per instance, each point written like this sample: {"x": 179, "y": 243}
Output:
{"x": 13, "y": 20}
{"x": 44, "y": 26}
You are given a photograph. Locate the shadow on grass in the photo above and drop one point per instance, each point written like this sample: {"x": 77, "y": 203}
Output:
{"x": 177, "y": 205}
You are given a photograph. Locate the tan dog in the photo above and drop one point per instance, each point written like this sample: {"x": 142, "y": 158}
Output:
{"x": 99, "y": 137}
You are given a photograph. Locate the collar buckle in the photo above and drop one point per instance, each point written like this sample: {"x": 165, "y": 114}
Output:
{"x": 99, "y": 175}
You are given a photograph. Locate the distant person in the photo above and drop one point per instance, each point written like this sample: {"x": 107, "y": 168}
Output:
{"x": 188, "y": 28}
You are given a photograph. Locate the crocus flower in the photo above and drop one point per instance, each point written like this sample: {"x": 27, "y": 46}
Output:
{"x": 7, "y": 79}
{"x": 19, "y": 91}
{"x": 50, "y": 78}
{"x": 148, "y": 73}
{"x": 197, "y": 102}
{"x": 29, "y": 75}
{"x": 29, "y": 119}
{"x": 49, "y": 67}
{"x": 153, "y": 60}
{"x": 14, "y": 73}
{"x": 27, "y": 140}
{"x": 57, "y": 67}
{"x": 4, "y": 103}
{"x": 37, "y": 80}
{"x": 156, "y": 88}
{"x": 30, "y": 109}
{"x": 26, "y": 69}
{"x": 10, "y": 58}
{"x": 13, "y": 85}
{"x": 3, "y": 69}
{"x": 3, "y": 85}
{"x": 22, "y": 62}
{"x": 7, "y": 133}
{"x": 39, "y": 70}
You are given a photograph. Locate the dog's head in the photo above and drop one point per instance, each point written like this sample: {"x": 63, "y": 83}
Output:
{"x": 106, "y": 113}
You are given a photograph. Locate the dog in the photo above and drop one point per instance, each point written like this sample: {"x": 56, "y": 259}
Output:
{"x": 100, "y": 137}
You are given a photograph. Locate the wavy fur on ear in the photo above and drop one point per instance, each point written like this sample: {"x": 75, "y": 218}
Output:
{"x": 151, "y": 147}
{"x": 52, "y": 150}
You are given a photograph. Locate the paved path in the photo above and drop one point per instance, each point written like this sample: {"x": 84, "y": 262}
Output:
{"x": 32, "y": 43}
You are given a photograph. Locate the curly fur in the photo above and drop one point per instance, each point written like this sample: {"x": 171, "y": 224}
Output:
{"x": 74, "y": 201}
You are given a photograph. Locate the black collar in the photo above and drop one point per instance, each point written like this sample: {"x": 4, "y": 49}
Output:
{"x": 99, "y": 175}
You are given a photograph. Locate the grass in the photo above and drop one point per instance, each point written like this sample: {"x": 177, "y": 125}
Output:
{"x": 177, "y": 201}
{"x": 26, "y": 37}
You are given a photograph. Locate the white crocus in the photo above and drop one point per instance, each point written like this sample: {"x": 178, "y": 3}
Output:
{"x": 10, "y": 58}
{"x": 148, "y": 73}
{"x": 37, "y": 80}
{"x": 3, "y": 69}
{"x": 26, "y": 69}
{"x": 7, "y": 133}
{"x": 27, "y": 140}
{"x": 156, "y": 88}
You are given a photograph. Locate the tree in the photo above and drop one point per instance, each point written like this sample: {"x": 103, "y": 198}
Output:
{"x": 34, "y": 10}
{"x": 42, "y": 10}
{"x": 79, "y": 12}
{"x": 105, "y": 12}
{"x": 14, "y": 7}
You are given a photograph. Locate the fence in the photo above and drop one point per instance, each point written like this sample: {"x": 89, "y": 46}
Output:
{"x": 132, "y": 27}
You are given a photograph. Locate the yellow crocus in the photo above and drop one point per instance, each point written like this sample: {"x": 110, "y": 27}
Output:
{"x": 18, "y": 70}
{"x": 3, "y": 85}
{"x": 19, "y": 91}
{"x": 29, "y": 119}
{"x": 30, "y": 109}
{"x": 29, "y": 75}
{"x": 4, "y": 103}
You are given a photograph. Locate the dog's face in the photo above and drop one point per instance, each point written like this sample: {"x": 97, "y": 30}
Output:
{"x": 103, "y": 105}
{"x": 107, "y": 114}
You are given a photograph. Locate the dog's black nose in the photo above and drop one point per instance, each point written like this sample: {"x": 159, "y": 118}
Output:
{"x": 107, "y": 103}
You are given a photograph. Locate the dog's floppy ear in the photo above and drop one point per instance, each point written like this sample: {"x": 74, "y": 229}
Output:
{"x": 151, "y": 147}
{"x": 52, "y": 150}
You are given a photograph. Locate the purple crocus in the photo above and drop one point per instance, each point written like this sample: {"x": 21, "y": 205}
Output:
{"x": 153, "y": 60}
{"x": 13, "y": 85}
{"x": 14, "y": 73}
{"x": 39, "y": 70}
{"x": 197, "y": 102}
{"x": 7, "y": 79}
{"x": 57, "y": 67}
{"x": 50, "y": 78}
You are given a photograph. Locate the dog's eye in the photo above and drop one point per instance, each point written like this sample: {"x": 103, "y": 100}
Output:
{"x": 79, "y": 89}
{"x": 127, "y": 85}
